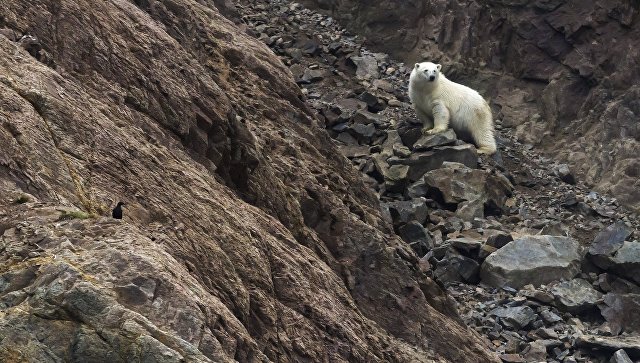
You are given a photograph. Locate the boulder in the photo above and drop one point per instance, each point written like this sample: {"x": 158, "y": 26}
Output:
{"x": 402, "y": 151}
{"x": 532, "y": 260}
{"x": 499, "y": 240}
{"x": 366, "y": 117}
{"x": 417, "y": 189}
{"x": 422, "y": 162}
{"x": 467, "y": 246}
{"x": 410, "y": 131}
{"x": 608, "y": 282}
{"x": 550, "y": 317}
{"x": 417, "y": 237}
{"x": 622, "y": 312}
{"x": 563, "y": 172}
{"x": 457, "y": 268}
{"x": 313, "y": 75}
{"x": 374, "y": 104}
{"x": 362, "y": 132}
{"x": 575, "y": 296}
{"x": 620, "y": 356}
{"x": 473, "y": 190}
{"x": 630, "y": 344}
{"x": 346, "y": 108}
{"x": 366, "y": 66}
{"x": 395, "y": 178}
{"x": 430, "y": 141}
{"x": 607, "y": 242}
{"x": 516, "y": 317}
{"x": 626, "y": 261}
{"x": 405, "y": 211}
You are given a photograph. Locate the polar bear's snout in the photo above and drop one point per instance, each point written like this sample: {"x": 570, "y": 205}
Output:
{"x": 432, "y": 78}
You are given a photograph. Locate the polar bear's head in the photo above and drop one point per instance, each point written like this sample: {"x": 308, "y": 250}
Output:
{"x": 427, "y": 71}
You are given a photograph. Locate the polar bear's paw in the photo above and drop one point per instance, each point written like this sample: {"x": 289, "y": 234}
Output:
{"x": 432, "y": 131}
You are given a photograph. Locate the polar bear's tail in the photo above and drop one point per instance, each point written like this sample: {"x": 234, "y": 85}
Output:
{"x": 484, "y": 137}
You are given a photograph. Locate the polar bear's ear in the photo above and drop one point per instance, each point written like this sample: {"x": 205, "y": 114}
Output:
{"x": 438, "y": 67}
{"x": 417, "y": 65}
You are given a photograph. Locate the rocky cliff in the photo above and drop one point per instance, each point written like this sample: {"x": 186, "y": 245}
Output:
{"x": 539, "y": 264}
{"x": 563, "y": 75}
{"x": 246, "y": 236}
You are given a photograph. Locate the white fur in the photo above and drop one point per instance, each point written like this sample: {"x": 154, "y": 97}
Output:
{"x": 446, "y": 102}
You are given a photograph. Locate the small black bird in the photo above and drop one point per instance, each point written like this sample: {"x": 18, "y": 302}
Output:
{"x": 117, "y": 211}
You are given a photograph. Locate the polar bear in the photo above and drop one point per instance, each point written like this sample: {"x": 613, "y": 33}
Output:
{"x": 435, "y": 97}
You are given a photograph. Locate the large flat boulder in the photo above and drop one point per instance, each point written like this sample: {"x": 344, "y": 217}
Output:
{"x": 422, "y": 162}
{"x": 535, "y": 260}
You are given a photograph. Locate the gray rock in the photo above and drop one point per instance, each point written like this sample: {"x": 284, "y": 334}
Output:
{"x": 512, "y": 358}
{"x": 608, "y": 282}
{"x": 457, "y": 268}
{"x": 417, "y": 237}
{"x": 538, "y": 295}
{"x": 417, "y": 189}
{"x": 499, "y": 240}
{"x": 532, "y": 260}
{"x": 354, "y": 151}
{"x": 346, "y": 108}
{"x": 406, "y": 211}
{"x": 516, "y": 317}
{"x": 620, "y": 356}
{"x": 395, "y": 178}
{"x": 485, "y": 251}
{"x": 607, "y": 242}
{"x": 629, "y": 343}
{"x": 401, "y": 151}
{"x": 622, "y": 312}
{"x": 467, "y": 246}
{"x": 430, "y": 141}
{"x": 537, "y": 351}
{"x": 366, "y": 66}
{"x": 362, "y": 132}
{"x": 422, "y": 162}
{"x": 575, "y": 296}
{"x": 457, "y": 182}
{"x": 409, "y": 131}
{"x": 546, "y": 333}
{"x": 563, "y": 172}
{"x": 347, "y": 139}
{"x": 626, "y": 261}
{"x": 550, "y": 317}
{"x": 313, "y": 75}
{"x": 471, "y": 189}
{"x": 366, "y": 117}
{"x": 374, "y": 104}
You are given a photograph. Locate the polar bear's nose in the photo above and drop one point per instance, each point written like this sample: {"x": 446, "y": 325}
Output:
{"x": 431, "y": 78}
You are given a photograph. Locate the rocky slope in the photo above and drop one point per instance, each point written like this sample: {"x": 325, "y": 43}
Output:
{"x": 247, "y": 236}
{"x": 562, "y": 74}
{"x": 538, "y": 263}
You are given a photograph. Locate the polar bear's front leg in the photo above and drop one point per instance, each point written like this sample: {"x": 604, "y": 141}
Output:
{"x": 440, "y": 119}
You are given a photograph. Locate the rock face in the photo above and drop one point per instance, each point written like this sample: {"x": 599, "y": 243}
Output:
{"x": 246, "y": 235}
{"x": 532, "y": 260}
{"x": 562, "y": 74}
